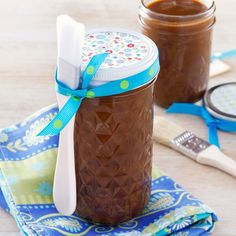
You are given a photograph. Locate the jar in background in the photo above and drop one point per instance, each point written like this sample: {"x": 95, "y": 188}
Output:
{"x": 182, "y": 29}
{"x": 113, "y": 134}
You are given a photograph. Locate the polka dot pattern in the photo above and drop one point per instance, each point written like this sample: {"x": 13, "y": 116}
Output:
{"x": 76, "y": 99}
{"x": 57, "y": 124}
{"x": 224, "y": 99}
{"x": 124, "y": 84}
{"x": 90, "y": 94}
{"x": 152, "y": 71}
{"x": 90, "y": 70}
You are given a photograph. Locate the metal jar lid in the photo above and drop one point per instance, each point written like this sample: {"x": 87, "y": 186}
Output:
{"x": 220, "y": 101}
{"x": 130, "y": 53}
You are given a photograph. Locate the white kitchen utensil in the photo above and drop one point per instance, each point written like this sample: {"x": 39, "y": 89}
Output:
{"x": 70, "y": 43}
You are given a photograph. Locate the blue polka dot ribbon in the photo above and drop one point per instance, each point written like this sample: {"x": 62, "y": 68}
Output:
{"x": 111, "y": 88}
{"x": 212, "y": 123}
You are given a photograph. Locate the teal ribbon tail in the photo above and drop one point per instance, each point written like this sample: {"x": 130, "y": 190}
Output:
{"x": 192, "y": 109}
{"x": 212, "y": 135}
{"x": 62, "y": 118}
{"x": 212, "y": 123}
{"x": 223, "y": 55}
{"x": 185, "y": 108}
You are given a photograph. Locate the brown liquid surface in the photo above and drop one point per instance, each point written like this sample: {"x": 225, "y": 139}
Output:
{"x": 185, "y": 49}
{"x": 113, "y": 156}
{"x": 177, "y": 7}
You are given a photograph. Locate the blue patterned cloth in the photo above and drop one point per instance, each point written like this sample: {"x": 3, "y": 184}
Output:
{"x": 27, "y": 164}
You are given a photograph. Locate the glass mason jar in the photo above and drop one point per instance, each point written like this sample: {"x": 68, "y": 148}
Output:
{"x": 184, "y": 42}
{"x": 113, "y": 141}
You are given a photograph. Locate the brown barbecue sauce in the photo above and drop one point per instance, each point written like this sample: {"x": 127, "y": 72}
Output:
{"x": 177, "y": 7}
{"x": 113, "y": 155}
{"x": 182, "y": 30}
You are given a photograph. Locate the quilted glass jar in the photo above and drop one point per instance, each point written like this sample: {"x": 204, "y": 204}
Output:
{"x": 113, "y": 134}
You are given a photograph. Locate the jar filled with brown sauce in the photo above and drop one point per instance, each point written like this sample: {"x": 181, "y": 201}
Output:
{"x": 113, "y": 134}
{"x": 182, "y": 29}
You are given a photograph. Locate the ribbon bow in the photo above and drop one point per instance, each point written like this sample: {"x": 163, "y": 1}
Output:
{"x": 76, "y": 97}
{"x": 212, "y": 123}
{"x": 108, "y": 89}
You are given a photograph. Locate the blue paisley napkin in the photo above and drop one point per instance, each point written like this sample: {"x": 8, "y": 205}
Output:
{"x": 27, "y": 165}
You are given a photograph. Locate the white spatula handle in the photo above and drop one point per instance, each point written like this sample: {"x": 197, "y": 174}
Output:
{"x": 64, "y": 189}
{"x": 212, "y": 156}
{"x": 70, "y": 36}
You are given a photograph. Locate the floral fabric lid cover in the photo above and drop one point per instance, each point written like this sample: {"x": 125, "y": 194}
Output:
{"x": 130, "y": 54}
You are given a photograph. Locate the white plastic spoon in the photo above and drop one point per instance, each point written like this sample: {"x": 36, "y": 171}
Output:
{"x": 70, "y": 36}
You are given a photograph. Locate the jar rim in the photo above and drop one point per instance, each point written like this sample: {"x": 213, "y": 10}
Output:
{"x": 161, "y": 16}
